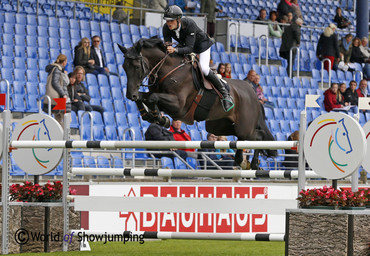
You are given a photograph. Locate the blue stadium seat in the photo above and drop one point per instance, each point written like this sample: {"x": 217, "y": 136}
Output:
{"x": 124, "y": 29}
{"x": 89, "y": 162}
{"x": 103, "y": 81}
{"x": 18, "y": 103}
{"x": 179, "y": 164}
{"x": 119, "y": 106}
{"x": 107, "y": 104}
{"x": 111, "y": 132}
{"x": 134, "y": 29}
{"x": 74, "y": 122}
{"x": 153, "y": 31}
{"x": 6, "y": 73}
{"x": 282, "y": 71}
{"x": 167, "y": 163}
{"x": 31, "y": 104}
{"x": 102, "y": 162}
{"x": 105, "y": 93}
{"x": 114, "y": 82}
{"x": 220, "y": 47}
{"x": 117, "y": 162}
{"x": 98, "y": 133}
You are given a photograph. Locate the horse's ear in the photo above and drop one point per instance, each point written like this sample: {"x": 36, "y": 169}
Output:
{"x": 122, "y": 48}
{"x": 139, "y": 44}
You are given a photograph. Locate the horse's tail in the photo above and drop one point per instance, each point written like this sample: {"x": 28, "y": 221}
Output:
{"x": 265, "y": 132}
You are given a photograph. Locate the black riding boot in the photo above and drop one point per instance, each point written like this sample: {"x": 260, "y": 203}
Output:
{"x": 227, "y": 101}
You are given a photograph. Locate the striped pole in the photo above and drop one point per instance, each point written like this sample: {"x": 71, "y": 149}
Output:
{"x": 289, "y": 174}
{"x": 94, "y": 235}
{"x": 157, "y": 144}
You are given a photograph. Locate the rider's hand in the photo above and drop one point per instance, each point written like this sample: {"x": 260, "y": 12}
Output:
{"x": 170, "y": 49}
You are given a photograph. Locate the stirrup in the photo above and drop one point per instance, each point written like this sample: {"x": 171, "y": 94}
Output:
{"x": 223, "y": 101}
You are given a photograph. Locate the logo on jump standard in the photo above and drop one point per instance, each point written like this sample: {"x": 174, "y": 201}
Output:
{"x": 334, "y": 145}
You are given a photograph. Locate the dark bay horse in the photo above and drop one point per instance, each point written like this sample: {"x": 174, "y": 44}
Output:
{"x": 173, "y": 92}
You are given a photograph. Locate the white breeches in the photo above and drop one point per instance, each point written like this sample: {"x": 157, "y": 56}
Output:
{"x": 204, "y": 59}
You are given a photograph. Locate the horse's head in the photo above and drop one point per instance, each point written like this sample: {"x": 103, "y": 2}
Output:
{"x": 136, "y": 69}
{"x": 136, "y": 65}
{"x": 341, "y": 137}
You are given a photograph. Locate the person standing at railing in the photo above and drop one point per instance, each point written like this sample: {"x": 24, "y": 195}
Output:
{"x": 291, "y": 38}
{"x": 297, "y": 9}
{"x": 328, "y": 48}
{"x": 210, "y": 7}
{"x": 158, "y": 5}
{"x": 119, "y": 14}
{"x": 284, "y": 7}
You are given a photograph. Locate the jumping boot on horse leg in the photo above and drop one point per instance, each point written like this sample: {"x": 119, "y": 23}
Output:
{"x": 227, "y": 101}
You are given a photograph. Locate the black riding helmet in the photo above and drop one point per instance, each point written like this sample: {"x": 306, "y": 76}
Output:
{"x": 173, "y": 13}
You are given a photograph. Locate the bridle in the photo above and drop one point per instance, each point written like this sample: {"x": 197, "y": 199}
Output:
{"x": 153, "y": 73}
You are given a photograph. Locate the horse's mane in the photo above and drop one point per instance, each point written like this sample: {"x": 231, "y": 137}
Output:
{"x": 153, "y": 42}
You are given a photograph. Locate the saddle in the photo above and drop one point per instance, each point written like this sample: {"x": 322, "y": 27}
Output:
{"x": 206, "y": 96}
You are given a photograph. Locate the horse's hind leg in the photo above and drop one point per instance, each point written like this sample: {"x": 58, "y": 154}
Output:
{"x": 254, "y": 163}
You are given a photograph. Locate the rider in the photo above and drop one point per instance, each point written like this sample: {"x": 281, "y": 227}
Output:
{"x": 192, "y": 39}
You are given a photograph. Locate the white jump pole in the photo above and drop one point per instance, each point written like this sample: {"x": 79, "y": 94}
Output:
{"x": 273, "y": 174}
{"x": 183, "y": 205}
{"x": 122, "y": 235}
{"x": 157, "y": 144}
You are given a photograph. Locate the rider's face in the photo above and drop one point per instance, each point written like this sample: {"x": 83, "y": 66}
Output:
{"x": 172, "y": 24}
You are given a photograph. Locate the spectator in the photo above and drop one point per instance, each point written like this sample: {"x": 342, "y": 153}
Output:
{"x": 284, "y": 7}
{"x": 179, "y": 134}
{"x": 251, "y": 79}
{"x": 356, "y": 54}
{"x": 98, "y": 56}
{"x": 291, "y": 38}
{"x": 274, "y": 29}
{"x": 56, "y": 86}
{"x": 328, "y": 48}
{"x": 290, "y": 17}
{"x": 76, "y": 101}
{"x": 341, "y": 21}
{"x": 221, "y": 69}
{"x": 262, "y": 16}
{"x": 362, "y": 89}
{"x": 225, "y": 161}
{"x": 342, "y": 90}
{"x": 261, "y": 97}
{"x": 159, "y": 133}
{"x": 210, "y": 7}
{"x": 119, "y": 14}
{"x": 296, "y": 8}
{"x": 228, "y": 70}
{"x": 351, "y": 95}
{"x": 83, "y": 57}
{"x": 82, "y": 92}
{"x": 345, "y": 48}
{"x": 330, "y": 100}
{"x": 366, "y": 53}
{"x": 291, "y": 161}
{"x": 158, "y": 5}
{"x": 217, "y": 159}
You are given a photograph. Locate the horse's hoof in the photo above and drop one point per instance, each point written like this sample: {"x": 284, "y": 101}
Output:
{"x": 245, "y": 165}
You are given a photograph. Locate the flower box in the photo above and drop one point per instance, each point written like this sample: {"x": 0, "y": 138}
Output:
{"x": 327, "y": 232}
{"x": 39, "y": 218}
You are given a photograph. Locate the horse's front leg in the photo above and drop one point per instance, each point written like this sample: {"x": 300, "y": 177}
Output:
{"x": 167, "y": 103}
